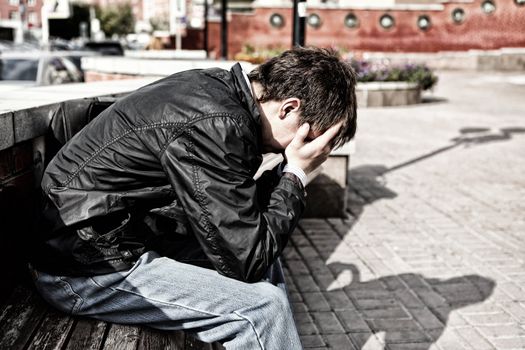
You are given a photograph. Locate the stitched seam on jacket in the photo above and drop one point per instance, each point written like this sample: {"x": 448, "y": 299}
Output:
{"x": 183, "y": 127}
{"x": 204, "y": 117}
{"x": 199, "y": 195}
{"x": 112, "y": 141}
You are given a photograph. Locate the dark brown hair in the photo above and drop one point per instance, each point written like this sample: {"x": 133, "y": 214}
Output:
{"x": 320, "y": 79}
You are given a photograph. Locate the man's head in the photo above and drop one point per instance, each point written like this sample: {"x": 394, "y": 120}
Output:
{"x": 305, "y": 85}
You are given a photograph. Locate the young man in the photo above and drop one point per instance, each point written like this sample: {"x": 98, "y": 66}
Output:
{"x": 151, "y": 213}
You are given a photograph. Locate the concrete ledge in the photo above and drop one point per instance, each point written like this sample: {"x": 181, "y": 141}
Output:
{"x": 505, "y": 59}
{"x": 25, "y": 114}
{"x": 383, "y": 94}
{"x": 151, "y": 67}
{"x": 167, "y": 54}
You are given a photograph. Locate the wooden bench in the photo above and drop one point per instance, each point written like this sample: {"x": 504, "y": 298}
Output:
{"x": 27, "y": 322}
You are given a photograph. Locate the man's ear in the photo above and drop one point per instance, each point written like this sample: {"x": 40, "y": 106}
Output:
{"x": 291, "y": 104}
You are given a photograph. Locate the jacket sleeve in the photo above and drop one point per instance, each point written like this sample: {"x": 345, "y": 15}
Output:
{"x": 210, "y": 166}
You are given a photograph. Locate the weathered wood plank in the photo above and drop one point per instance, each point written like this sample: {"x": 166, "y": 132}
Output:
{"x": 122, "y": 337}
{"x": 53, "y": 332}
{"x": 160, "y": 340}
{"x": 194, "y": 344}
{"x": 218, "y": 346}
{"x": 20, "y": 316}
{"x": 87, "y": 335}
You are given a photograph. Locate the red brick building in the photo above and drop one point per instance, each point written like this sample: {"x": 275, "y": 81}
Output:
{"x": 17, "y": 13}
{"x": 381, "y": 25}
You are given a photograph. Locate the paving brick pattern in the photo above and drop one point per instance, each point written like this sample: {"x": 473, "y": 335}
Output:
{"x": 432, "y": 254}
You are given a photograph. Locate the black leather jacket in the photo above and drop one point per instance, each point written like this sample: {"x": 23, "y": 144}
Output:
{"x": 169, "y": 167}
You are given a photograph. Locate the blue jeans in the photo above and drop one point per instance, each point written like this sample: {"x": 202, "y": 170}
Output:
{"x": 165, "y": 294}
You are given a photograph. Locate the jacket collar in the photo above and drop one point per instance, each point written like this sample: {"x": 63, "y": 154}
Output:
{"x": 245, "y": 93}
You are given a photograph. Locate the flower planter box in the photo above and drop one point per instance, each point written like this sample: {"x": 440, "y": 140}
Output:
{"x": 383, "y": 94}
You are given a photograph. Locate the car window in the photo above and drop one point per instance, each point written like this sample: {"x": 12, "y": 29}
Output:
{"x": 56, "y": 73}
{"x": 18, "y": 69}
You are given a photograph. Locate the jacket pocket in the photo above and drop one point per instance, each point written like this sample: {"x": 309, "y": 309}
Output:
{"x": 106, "y": 232}
{"x": 102, "y": 242}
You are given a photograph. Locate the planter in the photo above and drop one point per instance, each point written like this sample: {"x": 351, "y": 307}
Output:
{"x": 384, "y": 94}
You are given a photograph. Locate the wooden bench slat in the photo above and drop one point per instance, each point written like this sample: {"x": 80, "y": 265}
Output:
{"x": 122, "y": 337}
{"x": 194, "y": 344}
{"x": 161, "y": 340}
{"x": 87, "y": 335}
{"x": 53, "y": 332}
{"x": 20, "y": 317}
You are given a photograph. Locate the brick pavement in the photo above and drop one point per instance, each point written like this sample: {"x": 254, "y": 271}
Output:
{"x": 432, "y": 254}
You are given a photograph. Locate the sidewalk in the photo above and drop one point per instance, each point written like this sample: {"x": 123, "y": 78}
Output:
{"x": 433, "y": 254}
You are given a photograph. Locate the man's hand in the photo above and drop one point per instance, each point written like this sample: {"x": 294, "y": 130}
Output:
{"x": 309, "y": 155}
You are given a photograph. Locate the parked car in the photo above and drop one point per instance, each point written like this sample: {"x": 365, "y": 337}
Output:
{"x": 106, "y": 48}
{"x": 39, "y": 68}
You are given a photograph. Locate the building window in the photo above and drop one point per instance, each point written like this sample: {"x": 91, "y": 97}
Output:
{"x": 488, "y": 7}
{"x": 458, "y": 15}
{"x": 14, "y": 2}
{"x": 386, "y": 21}
{"x": 519, "y": 2}
{"x": 14, "y": 15}
{"x": 314, "y": 20}
{"x": 351, "y": 21}
{"x": 32, "y": 17}
{"x": 276, "y": 20}
{"x": 423, "y": 22}
{"x": 31, "y": 3}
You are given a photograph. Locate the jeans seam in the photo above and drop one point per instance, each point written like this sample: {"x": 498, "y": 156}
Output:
{"x": 253, "y": 327}
{"x": 79, "y": 301}
{"x": 155, "y": 300}
{"x": 166, "y": 303}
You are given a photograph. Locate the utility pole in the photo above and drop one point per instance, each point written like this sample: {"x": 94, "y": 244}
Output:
{"x": 23, "y": 19}
{"x": 299, "y": 22}
{"x": 206, "y": 48}
{"x": 224, "y": 30}
{"x": 177, "y": 12}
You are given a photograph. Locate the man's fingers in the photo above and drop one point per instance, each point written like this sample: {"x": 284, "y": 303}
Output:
{"x": 323, "y": 140}
{"x": 301, "y": 134}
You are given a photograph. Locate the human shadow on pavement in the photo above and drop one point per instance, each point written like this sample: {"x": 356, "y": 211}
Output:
{"x": 400, "y": 308}
{"x": 407, "y": 307}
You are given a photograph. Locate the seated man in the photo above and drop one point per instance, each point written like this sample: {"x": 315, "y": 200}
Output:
{"x": 151, "y": 214}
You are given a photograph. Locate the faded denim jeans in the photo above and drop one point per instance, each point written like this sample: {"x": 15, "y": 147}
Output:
{"x": 162, "y": 293}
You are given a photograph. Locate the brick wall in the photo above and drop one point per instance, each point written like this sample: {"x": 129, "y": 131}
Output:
{"x": 503, "y": 28}
{"x": 90, "y": 76}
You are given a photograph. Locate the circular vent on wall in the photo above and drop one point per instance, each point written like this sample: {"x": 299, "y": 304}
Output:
{"x": 458, "y": 15}
{"x": 386, "y": 21}
{"x": 276, "y": 20}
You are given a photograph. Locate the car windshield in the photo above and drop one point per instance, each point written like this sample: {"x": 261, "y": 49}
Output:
{"x": 18, "y": 69}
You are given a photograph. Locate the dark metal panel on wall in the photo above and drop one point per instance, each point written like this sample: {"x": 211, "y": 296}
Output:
{"x": 224, "y": 30}
{"x": 299, "y": 22}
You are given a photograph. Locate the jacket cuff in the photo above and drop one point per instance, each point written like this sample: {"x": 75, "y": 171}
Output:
{"x": 293, "y": 184}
